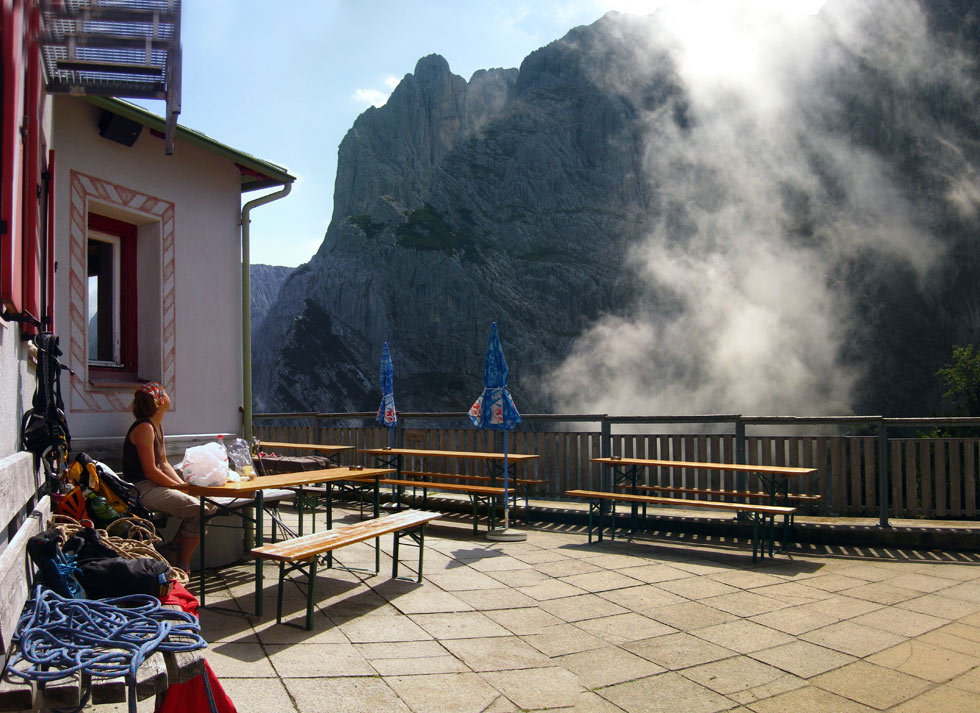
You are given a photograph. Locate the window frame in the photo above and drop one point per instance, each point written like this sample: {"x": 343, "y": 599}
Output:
{"x": 127, "y": 366}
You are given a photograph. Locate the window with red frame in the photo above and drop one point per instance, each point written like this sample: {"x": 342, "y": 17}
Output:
{"x": 111, "y": 308}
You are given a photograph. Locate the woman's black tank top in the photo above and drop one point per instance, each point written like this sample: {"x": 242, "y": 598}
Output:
{"x": 131, "y": 466}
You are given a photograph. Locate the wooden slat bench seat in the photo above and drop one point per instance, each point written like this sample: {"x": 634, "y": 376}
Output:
{"x": 762, "y": 515}
{"x": 521, "y": 485}
{"x": 477, "y": 493}
{"x": 469, "y": 478}
{"x": 153, "y": 677}
{"x": 302, "y": 553}
{"x": 778, "y": 499}
{"x": 753, "y": 494}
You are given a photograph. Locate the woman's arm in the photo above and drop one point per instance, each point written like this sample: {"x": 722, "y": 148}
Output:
{"x": 142, "y": 437}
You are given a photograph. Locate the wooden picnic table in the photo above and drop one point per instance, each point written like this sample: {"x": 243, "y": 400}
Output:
{"x": 395, "y": 458}
{"x": 252, "y": 490}
{"x": 327, "y": 449}
{"x": 775, "y": 478}
{"x": 625, "y": 470}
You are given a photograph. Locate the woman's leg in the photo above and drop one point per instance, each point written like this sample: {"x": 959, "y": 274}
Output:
{"x": 179, "y": 504}
{"x": 186, "y": 546}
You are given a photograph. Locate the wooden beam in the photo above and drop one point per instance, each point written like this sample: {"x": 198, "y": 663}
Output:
{"x": 81, "y": 65}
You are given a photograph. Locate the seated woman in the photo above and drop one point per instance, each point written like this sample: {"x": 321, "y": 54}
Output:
{"x": 145, "y": 465}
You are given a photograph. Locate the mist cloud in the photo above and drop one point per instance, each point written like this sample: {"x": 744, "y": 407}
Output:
{"x": 761, "y": 198}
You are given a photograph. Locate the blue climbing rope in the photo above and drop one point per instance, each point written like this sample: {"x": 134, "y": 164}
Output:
{"x": 105, "y": 638}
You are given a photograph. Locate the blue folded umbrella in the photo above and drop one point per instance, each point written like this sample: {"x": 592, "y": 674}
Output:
{"x": 494, "y": 408}
{"x": 387, "y": 416}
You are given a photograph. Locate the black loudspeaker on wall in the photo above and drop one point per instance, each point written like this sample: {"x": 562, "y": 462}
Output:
{"x": 119, "y": 129}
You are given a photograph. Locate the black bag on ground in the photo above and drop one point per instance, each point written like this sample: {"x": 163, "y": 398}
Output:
{"x": 119, "y": 576}
{"x": 86, "y": 545}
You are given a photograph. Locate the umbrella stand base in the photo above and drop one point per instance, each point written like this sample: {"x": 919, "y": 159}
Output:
{"x": 508, "y": 534}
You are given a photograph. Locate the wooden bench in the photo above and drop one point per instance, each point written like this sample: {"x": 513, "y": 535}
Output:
{"x": 477, "y": 494}
{"x": 302, "y": 553}
{"x": 747, "y": 494}
{"x": 521, "y": 485}
{"x": 16, "y": 585}
{"x": 762, "y": 515}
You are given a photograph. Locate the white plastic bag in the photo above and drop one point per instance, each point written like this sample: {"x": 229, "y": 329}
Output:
{"x": 205, "y": 465}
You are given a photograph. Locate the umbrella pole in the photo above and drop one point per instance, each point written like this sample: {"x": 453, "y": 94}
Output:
{"x": 506, "y": 534}
{"x": 506, "y": 499}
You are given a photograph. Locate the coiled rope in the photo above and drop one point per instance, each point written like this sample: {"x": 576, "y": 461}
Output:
{"x": 139, "y": 543}
{"x": 105, "y": 638}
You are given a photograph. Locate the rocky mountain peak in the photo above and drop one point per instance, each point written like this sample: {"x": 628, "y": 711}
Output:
{"x": 642, "y": 249}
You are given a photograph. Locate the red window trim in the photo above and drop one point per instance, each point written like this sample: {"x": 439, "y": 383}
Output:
{"x": 31, "y": 268}
{"x": 11, "y": 153}
{"x": 49, "y": 230}
{"x": 128, "y": 308}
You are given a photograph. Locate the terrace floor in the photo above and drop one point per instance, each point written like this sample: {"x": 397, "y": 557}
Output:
{"x": 637, "y": 626}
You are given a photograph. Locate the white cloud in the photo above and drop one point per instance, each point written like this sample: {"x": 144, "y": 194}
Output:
{"x": 370, "y": 97}
{"x": 376, "y": 97}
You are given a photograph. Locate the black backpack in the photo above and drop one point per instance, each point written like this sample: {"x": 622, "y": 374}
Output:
{"x": 44, "y": 430}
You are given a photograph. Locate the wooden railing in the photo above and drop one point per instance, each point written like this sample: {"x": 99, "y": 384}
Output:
{"x": 926, "y": 477}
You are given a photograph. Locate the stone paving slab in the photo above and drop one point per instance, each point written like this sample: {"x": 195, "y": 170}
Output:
{"x": 554, "y": 623}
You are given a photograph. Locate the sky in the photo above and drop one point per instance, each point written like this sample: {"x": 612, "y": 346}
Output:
{"x": 284, "y": 80}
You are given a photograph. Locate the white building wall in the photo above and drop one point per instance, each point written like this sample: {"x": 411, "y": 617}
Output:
{"x": 16, "y": 386}
{"x": 200, "y": 350}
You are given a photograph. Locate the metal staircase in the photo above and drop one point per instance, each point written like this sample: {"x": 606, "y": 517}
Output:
{"x": 117, "y": 48}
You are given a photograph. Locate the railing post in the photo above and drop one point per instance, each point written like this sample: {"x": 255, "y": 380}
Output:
{"x": 741, "y": 479}
{"x": 605, "y": 450}
{"x": 884, "y": 481}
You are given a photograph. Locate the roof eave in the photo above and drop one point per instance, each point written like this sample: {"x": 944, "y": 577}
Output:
{"x": 269, "y": 174}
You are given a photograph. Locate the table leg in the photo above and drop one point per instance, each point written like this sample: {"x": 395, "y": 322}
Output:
{"x": 201, "y": 552}
{"x": 259, "y": 533}
{"x": 300, "y": 495}
{"x": 377, "y": 514}
{"x": 329, "y": 519}
{"x": 633, "y": 508}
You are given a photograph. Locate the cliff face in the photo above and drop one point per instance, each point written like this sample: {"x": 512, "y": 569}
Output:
{"x": 506, "y": 198}
{"x": 562, "y": 200}
{"x": 266, "y": 281}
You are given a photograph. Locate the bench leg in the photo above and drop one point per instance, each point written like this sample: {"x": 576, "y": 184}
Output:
{"x": 418, "y": 535}
{"x": 772, "y": 535}
{"x": 755, "y": 536}
{"x": 612, "y": 520}
{"x": 394, "y": 555}
{"x": 310, "y": 591}
{"x": 592, "y": 507}
{"x": 282, "y": 578}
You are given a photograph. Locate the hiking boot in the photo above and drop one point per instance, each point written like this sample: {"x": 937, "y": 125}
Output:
{"x": 56, "y": 571}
